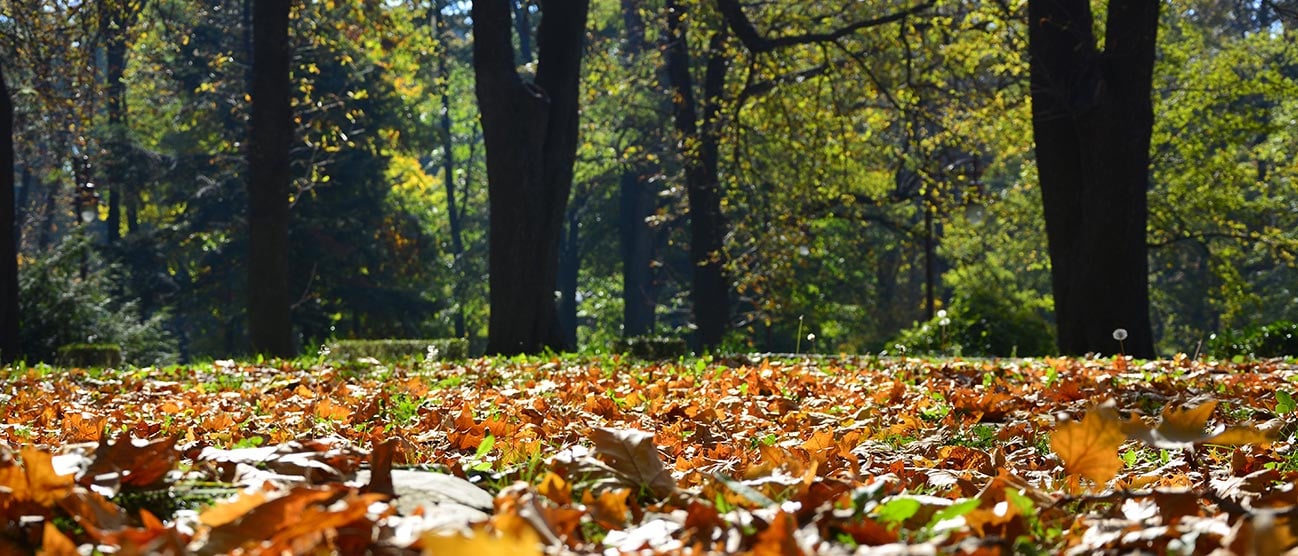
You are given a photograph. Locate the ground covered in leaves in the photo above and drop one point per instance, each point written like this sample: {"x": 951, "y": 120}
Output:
{"x": 607, "y": 455}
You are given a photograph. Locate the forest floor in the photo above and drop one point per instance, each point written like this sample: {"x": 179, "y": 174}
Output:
{"x": 607, "y": 455}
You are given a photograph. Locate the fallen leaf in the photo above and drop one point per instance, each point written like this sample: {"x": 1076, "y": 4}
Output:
{"x": 633, "y": 453}
{"x": 1089, "y": 447}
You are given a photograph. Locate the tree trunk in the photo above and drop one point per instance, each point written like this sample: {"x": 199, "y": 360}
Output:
{"x": 638, "y": 293}
{"x": 530, "y": 130}
{"x": 700, "y": 140}
{"x": 9, "y": 346}
{"x": 270, "y": 132}
{"x": 569, "y": 270}
{"x": 448, "y": 173}
{"x": 114, "y": 20}
{"x": 1092, "y": 117}
{"x": 638, "y": 201}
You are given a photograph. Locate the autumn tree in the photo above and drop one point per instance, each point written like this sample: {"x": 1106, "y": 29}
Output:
{"x": 1092, "y": 116}
{"x": 530, "y": 129}
{"x": 270, "y": 132}
{"x": 9, "y": 347}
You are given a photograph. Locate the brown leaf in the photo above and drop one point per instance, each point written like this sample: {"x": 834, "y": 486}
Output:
{"x": 633, "y": 453}
{"x": 610, "y": 509}
{"x": 381, "y": 467}
{"x": 134, "y": 463}
{"x": 1090, "y": 447}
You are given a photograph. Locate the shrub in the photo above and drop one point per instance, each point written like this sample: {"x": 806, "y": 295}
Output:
{"x": 1277, "y": 339}
{"x": 443, "y": 349}
{"x": 59, "y": 307}
{"x": 982, "y": 324}
{"x": 90, "y": 355}
{"x": 652, "y": 347}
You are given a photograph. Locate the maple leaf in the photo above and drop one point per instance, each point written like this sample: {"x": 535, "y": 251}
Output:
{"x": 132, "y": 462}
{"x": 778, "y": 539}
{"x": 633, "y": 453}
{"x": 1090, "y": 447}
{"x": 479, "y": 544}
{"x": 1183, "y": 428}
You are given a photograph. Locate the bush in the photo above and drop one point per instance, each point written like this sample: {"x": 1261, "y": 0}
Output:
{"x": 441, "y": 349}
{"x": 982, "y": 324}
{"x": 60, "y": 307}
{"x": 90, "y": 355}
{"x": 1277, "y": 339}
{"x": 652, "y": 347}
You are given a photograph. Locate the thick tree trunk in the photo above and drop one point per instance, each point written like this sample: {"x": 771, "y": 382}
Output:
{"x": 9, "y": 346}
{"x": 700, "y": 140}
{"x": 638, "y": 293}
{"x": 1092, "y": 118}
{"x": 270, "y": 132}
{"x": 530, "y": 130}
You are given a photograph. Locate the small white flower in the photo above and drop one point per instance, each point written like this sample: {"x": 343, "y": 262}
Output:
{"x": 941, "y": 313}
{"x": 1120, "y": 334}
{"x": 811, "y": 337}
{"x": 944, "y": 322}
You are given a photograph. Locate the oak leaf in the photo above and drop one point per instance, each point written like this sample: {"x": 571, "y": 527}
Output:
{"x": 1090, "y": 447}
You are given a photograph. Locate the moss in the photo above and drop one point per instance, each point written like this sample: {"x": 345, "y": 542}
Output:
{"x": 90, "y": 355}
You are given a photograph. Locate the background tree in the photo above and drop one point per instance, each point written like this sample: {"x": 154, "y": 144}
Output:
{"x": 9, "y": 346}
{"x": 270, "y": 134}
{"x": 530, "y": 128}
{"x": 1092, "y": 115}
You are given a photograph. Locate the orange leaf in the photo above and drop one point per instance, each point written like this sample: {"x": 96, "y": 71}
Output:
{"x": 1090, "y": 447}
{"x": 47, "y": 487}
{"x": 55, "y": 543}
{"x": 778, "y": 539}
{"x": 610, "y": 509}
{"x": 480, "y": 544}
{"x": 555, "y": 488}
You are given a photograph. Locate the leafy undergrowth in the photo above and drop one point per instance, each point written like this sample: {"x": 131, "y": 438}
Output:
{"x": 606, "y": 455}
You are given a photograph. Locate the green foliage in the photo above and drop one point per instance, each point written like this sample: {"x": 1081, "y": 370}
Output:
{"x": 982, "y": 322}
{"x": 441, "y": 349}
{"x": 652, "y": 347}
{"x": 90, "y": 355}
{"x": 61, "y": 307}
{"x": 1277, "y": 339}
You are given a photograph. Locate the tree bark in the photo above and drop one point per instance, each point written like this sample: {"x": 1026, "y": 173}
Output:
{"x": 116, "y": 16}
{"x": 637, "y": 194}
{"x": 530, "y": 131}
{"x": 569, "y": 271}
{"x": 10, "y": 349}
{"x": 700, "y": 141}
{"x": 1092, "y": 117}
{"x": 448, "y": 171}
{"x": 270, "y": 133}
{"x": 639, "y": 297}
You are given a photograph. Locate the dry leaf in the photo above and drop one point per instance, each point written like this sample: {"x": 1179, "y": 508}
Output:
{"x": 1089, "y": 447}
{"x": 633, "y": 453}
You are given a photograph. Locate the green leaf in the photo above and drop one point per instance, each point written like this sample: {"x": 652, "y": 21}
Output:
{"x": 484, "y": 447}
{"x": 1284, "y": 402}
{"x": 897, "y": 510}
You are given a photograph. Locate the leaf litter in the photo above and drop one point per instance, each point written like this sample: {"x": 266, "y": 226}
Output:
{"x": 609, "y": 455}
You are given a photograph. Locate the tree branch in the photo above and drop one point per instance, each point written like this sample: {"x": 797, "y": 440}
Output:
{"x": 755, "y": 42}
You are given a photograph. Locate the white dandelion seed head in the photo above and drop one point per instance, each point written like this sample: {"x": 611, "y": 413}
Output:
{"x": 1120, "y": 334}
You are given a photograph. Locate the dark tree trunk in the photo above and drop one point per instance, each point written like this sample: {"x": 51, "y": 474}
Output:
{"x": 569, "y": 270}
{"x": 270, "y": 132}
{"x": 523, "y": 27}
{"x": 9, "y": 347}
{"x": 114, "y": 20}
{"x": 710, "y": 291}
{"x": 530, "y": 130}
{"x": 638, "y": 201}
{"x": 638, "y": 292}
{"x": 448, "y": 173}
{"x": 1092, "y": 117}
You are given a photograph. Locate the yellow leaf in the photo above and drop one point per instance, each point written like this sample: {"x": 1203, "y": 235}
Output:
{"x": 1090, "y": 447}
{"x": 1185, "y": 425}
{"x": 480, "y": 544}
